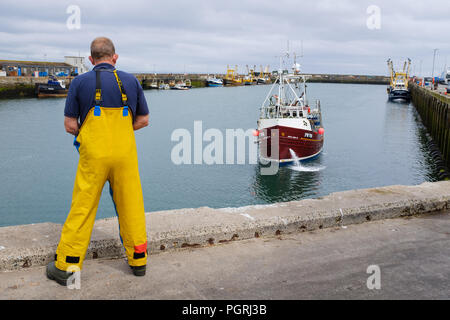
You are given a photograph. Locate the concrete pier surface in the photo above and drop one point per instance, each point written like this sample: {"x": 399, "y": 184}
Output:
{"x": 26, "y": 246}
{"x": 412, "y": 254}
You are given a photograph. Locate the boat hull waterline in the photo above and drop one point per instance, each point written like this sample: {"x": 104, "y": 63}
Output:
{"x": 403, "y": 95}
{"x": 306, "y": 144}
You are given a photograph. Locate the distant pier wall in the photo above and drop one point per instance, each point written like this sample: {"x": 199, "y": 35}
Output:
{"x": 199, "y": 80}
{"x": 20, "y": 87}
{"x": 433, "y": 108}
{"x": 349, "y": 78}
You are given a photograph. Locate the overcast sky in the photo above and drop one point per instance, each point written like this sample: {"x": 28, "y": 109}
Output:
{"x": 205, "y": 36}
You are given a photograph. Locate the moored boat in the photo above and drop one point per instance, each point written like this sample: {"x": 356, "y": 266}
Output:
{"x": 288, "y": 122}
{"x": 247, "y": 80}
{"x": 398, "y": 87}
{"x": 214, "y": 82}
{"x": 181, "y": 85}
{"x": 163, "y": 86}
{"x": 188, "y": 83}
{"x": 53, "y": 88}
{"x": 264, "y": 76}
{"x": 154, "y": 84}
{"x": 250, "y": 78}
{"x": 232, "y": 78}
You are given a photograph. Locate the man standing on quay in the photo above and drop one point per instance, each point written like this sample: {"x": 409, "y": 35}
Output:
{"x": 109, "y": 106}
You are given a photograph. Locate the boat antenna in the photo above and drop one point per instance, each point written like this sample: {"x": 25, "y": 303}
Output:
{"x": 301, "y": 48}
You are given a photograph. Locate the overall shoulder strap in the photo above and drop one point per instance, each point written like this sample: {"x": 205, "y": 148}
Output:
{"x": 98, "y": 93}
{"x": 123, "y": 94}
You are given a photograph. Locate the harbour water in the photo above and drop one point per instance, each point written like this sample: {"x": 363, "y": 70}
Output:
{"x": 369, "y": 142}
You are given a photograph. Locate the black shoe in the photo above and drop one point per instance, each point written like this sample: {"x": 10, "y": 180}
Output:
{"x": 138, "y": 271}
{"x": 60, "y": 276}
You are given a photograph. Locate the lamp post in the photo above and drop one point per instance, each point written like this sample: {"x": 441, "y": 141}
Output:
{"x": 420, "y": 70}
{"x": 434, "y": 57}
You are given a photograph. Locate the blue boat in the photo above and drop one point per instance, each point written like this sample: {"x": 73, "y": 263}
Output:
{"x": 214, "y": 82}
{"x": 53, "y": 88}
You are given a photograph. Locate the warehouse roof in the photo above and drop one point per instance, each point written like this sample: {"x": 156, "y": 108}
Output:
{"x": 36, "y": 63}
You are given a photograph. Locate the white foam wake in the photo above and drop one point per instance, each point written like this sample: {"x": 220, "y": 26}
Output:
{"x": 298, "y": 166}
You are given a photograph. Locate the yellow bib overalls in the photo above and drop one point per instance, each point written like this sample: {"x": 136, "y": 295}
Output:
{"x": 107, "y": 149}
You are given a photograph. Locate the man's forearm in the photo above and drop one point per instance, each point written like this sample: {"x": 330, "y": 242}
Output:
{"x": 71, "y": 125}
{"x": 140, "y": 122}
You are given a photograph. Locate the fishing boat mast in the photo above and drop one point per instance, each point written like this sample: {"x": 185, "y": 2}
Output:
{"x": 299, "y": 125}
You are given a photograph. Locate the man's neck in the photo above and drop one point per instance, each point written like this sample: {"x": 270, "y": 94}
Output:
{"x": 105, "y": 61}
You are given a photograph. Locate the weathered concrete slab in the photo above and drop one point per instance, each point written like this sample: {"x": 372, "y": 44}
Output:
{"x": 34, "y": 245}
{"x": 413, "y": 255}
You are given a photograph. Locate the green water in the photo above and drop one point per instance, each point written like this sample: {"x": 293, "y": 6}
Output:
{"x": 369, "y": 142}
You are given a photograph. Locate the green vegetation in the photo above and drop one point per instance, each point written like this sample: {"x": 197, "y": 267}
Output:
{"x": 198, "y": 83}
{"x": 17, "y": 91}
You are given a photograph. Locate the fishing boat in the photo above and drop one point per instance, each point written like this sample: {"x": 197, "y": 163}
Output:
{"x": 247, "y": 80}
{"x": 180, "y": 85}
{"x": 398, "y": 87}
{"x": 232, "y": 78}
{"x": 188, "y": 83}
{"x": 264, "y": 76}
{"x": 288, "y": 122}
{"x": 53, "y": 88}
{"x": 250, "y": 78}
{"x": 214, "y": 82}
{"x": 163, "y": 86}
{"x": 154, "y": 84}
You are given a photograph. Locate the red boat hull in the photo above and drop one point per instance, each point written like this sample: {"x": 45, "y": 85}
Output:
{"x": 304, "y": 143}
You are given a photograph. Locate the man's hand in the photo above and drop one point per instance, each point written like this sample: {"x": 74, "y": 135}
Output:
{"x": 140, "y": 122}
{"x": 71, "y": 125}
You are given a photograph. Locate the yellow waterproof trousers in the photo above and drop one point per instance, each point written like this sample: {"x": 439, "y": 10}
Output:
{"x": 107, "y": 148}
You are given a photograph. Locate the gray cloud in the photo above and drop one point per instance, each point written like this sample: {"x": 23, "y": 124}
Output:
{"x": 205, "y": 36}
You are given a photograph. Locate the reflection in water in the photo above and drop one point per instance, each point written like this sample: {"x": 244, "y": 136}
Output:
{"x": 288, "y": 184}
{"x": 408, "y": 131}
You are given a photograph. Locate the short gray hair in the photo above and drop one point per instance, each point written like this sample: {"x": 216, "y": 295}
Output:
{"x": 101, "y": 48}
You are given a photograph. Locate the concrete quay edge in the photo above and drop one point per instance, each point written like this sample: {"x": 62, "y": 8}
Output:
{"x": 25, "y": 246}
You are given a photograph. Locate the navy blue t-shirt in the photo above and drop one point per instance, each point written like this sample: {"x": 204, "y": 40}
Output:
{"x": 81, "y": 95}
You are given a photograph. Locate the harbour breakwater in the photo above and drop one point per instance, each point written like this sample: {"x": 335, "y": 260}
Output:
{"x": 147, "y": 79}
{"x": 25, "y": 87}
{"x": 199, "y": 80}
{"x": 433, "y": 108}
{"x": 349, "y": 78}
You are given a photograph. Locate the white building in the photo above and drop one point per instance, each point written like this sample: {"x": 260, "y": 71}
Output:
{"x": 77, "y": 62}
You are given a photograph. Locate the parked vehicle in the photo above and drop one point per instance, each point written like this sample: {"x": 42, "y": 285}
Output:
{"x": 445, "y": 76}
